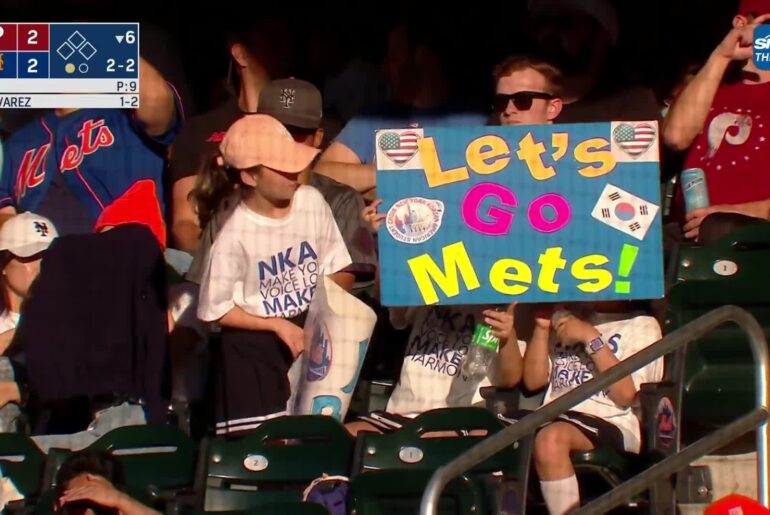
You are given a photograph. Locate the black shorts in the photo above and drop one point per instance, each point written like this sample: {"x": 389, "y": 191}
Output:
{"x": 252, "y": 378}
{"x": 600, "y": 432}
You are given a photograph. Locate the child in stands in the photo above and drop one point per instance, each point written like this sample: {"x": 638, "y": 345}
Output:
{"x": 93, "y": 483}
{"x": 23, "y": 240}
{"x": 264, "y": 265}
{"x": 440, "y": 337}
{"x": 566, "y": 349}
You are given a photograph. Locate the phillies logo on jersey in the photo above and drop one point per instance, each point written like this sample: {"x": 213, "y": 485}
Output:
{"x": 93, "y": 136}
{"x": 31, "y": 170}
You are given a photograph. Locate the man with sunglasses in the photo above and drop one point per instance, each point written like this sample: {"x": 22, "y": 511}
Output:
{"x": 527, "y": 92}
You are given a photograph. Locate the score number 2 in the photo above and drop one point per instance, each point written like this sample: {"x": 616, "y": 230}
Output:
{"x": 130, "y": 65}
{"x": 32, "y": 37}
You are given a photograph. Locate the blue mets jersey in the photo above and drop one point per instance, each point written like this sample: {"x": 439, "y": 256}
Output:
{"x": 98, "y": 154}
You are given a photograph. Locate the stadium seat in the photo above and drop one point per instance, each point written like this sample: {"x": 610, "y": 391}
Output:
{"x": 22, "y": 461}
{"x": 274, "y": 463}
{"x": 719, "y": 370}
{"x": 159, "y": 460}
{"x": 393, "y": 469}
{"x": 280, "y": 508}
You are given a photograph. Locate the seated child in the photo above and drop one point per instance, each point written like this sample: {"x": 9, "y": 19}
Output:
{"x": 431, "y": 376}
{"x": 23, "y": 240}
{"x": 586, "y": 340}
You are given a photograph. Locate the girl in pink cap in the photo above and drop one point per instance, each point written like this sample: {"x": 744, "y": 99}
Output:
{"x": 264, "y": 265}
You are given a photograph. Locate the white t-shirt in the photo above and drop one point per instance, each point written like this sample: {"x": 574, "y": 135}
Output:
{"x": 270, "y": 267}
{"x": 430, "y": 377}
{"x": 8, "y": 321}
{"x": 571, "y": 367}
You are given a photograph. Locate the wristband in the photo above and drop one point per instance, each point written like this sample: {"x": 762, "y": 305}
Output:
{"x": 594, "y": 346}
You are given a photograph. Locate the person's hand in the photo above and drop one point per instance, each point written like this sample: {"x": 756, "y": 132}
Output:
{"x": 292, "y": 335}
{"x": 543, "y": 314}
{"x": 694, "y": 218}
{"x": 738, "y": 44}
{"x": 372, "y": 217}
{"x": 98, "y": 490}
{"x": 501, "y": 322}
{"x": 571, "y": 329}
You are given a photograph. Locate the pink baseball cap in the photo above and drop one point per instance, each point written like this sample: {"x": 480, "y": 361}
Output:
{"x": 756, "y": 7}
{"x": 259, "y": 139}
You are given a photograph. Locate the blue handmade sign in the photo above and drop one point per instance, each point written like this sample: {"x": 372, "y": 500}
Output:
{"x": 480, "y": 215}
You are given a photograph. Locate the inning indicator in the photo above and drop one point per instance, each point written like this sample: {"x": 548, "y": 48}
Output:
{"x": 75, "y": 64}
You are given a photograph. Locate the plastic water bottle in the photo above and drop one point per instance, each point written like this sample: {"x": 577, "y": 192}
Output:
{"x": 482, "y": 351}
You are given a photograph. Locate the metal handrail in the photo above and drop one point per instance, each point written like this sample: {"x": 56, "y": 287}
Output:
{"x": 682, "y": 336}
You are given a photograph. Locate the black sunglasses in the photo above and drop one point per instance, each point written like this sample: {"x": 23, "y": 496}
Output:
{"x": 522, "y": 100}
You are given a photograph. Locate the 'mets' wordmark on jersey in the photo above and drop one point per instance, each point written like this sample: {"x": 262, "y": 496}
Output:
{"x": 101, "y": 155}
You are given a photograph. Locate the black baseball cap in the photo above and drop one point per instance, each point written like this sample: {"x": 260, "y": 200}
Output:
{"x": 293, "y": 102}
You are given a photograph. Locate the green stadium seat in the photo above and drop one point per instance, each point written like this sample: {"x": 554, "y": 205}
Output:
{"x": 395, "y": 468}
{"x": 275, "y": 462}
{"x": 22, "y": 461}
{"x": 280, "y": 508}
{"x": 719, "y": 369}
{"x": 159, "y": 460}
{"x": 398, "y": 492}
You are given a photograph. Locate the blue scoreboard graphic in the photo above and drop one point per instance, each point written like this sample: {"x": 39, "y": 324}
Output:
{"x": 69, "y": 65}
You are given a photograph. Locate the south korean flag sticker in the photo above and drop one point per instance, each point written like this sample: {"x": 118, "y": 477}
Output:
{"x": 625, "y": 212}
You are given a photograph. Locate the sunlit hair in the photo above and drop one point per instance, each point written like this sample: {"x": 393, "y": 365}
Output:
{"x": 213, "y": 185}
{"x": 517, "y": 63}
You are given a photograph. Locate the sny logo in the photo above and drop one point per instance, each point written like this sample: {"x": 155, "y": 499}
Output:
{"x": 762, "y": 47}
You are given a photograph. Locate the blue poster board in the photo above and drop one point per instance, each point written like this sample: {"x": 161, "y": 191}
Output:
{"x": 489, "y": 215}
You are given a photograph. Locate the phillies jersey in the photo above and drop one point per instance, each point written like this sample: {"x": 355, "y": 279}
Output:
{"x": 99, "y": 155}
{"x": 733, "y": 148}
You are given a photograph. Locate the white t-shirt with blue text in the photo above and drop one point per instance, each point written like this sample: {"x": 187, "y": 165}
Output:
{"x": 431, "y": 376}
{"x": 571, "y": 367}
{"x": 270, "y": 267}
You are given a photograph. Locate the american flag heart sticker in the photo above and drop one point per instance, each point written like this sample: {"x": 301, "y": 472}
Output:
{"x": 398, "y": 147}
{"x": 635, "y": 140}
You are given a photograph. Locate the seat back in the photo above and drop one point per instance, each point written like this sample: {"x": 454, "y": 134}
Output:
{"x": 413, "y": 447}
{"x": 275, "y": 462}
{"x": 22, "y": 461}
{"x": 719, "y": 370}
{"x": 160, "y": 456}
{"x": 399, "y": 492}
{"x": 395, "y": 468}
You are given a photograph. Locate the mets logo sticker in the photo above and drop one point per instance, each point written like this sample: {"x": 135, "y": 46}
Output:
{"x": 320, "y": 356}
{"x": 666, "y": 421}
{"x": 414, "y": 220}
